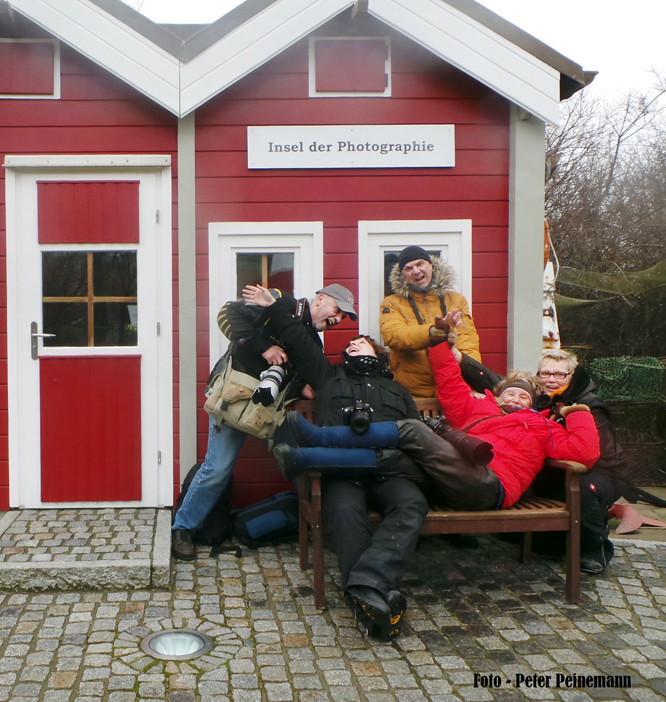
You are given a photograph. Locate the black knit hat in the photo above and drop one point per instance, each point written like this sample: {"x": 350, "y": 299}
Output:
{"x": 412, "y": 253}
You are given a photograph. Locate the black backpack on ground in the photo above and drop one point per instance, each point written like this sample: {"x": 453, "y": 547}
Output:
{"x": 216, "y": 527}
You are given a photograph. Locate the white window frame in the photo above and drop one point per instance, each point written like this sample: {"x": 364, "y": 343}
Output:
{"x": 312, "y": 70}
{"x": 452, "y": 238}
{"x": 55, "y": 95}
{"x": 225, "y": 239}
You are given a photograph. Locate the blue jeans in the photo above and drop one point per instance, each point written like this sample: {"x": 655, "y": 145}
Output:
{"x": 224, "y": 446}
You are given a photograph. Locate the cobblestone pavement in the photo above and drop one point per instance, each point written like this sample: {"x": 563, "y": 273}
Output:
{"x": 480, "y": 626}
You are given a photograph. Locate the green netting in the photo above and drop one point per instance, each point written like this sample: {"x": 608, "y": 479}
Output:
{"x": 637, "y": 378}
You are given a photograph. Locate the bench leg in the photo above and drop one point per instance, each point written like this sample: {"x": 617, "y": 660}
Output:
{"x": 526, "y": 547}
{"x": 317, "y": 533}
{"x": 572, "y": 563}
{"x": 304, "y": 512}
{"x": 310, "y": 527}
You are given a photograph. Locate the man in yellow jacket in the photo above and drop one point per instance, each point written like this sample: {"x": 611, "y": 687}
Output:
{"x": 421, "y": 287}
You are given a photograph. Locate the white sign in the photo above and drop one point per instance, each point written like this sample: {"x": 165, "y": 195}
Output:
{"x": 356, "y": 146}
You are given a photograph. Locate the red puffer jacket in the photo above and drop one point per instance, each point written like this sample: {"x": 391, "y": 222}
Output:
{"x": 522, "y": 440}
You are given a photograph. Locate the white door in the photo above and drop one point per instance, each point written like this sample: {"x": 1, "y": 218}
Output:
{"x": 89, "y": 331}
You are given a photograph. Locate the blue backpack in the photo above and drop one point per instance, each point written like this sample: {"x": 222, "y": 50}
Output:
{"x": 270, "y": 521}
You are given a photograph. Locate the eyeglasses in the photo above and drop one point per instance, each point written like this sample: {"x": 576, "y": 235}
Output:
{"x": 558, "y": 375}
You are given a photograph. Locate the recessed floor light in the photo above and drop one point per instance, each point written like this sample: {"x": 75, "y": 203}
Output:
{"x": 177, "y": 644}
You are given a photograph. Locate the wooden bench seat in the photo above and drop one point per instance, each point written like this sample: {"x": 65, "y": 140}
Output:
{"x": 528, "y": 515}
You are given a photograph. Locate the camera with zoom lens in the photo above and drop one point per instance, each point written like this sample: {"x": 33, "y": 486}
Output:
{"x": 269, "y": 387}
{"x": 358, "y": 416}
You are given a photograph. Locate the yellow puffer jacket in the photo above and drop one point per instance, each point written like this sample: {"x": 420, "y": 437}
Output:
{"x": 409, "y": 340}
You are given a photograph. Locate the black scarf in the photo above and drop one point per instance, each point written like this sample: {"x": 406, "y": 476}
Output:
{"x": 364, "y": 365}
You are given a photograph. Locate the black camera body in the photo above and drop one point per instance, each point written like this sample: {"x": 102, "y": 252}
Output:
{"x": 358, "y": 416}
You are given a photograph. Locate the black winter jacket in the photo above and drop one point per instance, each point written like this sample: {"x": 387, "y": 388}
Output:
{"x": 582, "y": 390}
{"x": 337, "y": 387}
{"x": 249, "y": 337}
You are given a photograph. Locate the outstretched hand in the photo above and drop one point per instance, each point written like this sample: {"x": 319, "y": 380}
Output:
{"x": 257, "y": 295}
{"x": 452, "y": 320}
{"x": 445, "y": 328}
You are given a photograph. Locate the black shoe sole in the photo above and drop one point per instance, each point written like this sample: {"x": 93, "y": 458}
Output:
{"x": 285, "y": 463}
{"x": 183, "y": 556}
{"x": 374, "y": 620}
{"x": 397, "y": 606}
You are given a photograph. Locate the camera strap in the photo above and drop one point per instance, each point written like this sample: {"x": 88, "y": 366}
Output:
{"x": 415, "y": 309}
{"x": 300, "y": 308}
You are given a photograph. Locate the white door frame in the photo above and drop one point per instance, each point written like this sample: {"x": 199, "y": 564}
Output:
{"x": 451, "y": 237}
{"x": 226, "y": 239}
{"x": 154, "y": 294}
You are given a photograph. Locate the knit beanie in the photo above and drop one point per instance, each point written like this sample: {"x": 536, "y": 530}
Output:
{"x": 520, "y": 383}
{"x": 412, "y": 253}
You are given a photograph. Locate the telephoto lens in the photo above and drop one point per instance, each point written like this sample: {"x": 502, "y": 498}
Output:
{"x": 269, "y": 387}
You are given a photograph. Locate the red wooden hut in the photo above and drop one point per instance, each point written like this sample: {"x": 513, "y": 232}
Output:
{"x": 150, "y": 171}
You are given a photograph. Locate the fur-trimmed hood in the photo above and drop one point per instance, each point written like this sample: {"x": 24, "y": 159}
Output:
{"x": 443, "y": 278}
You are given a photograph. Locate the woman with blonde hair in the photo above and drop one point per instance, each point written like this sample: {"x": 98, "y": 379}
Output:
{"x": 566, "y": 383}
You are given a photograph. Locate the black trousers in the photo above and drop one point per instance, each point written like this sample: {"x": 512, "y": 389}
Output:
{"x": 379, "y": 558}
{"x": 598, "y": 492}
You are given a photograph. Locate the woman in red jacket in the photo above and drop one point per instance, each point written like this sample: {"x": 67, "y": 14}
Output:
{"x": 521, "y": 437}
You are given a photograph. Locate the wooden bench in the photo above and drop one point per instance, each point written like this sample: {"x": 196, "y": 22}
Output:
{"x": 528, "y": 515}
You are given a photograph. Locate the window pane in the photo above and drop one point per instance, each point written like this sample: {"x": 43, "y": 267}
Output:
{"x": 272, "y": 270}
{"x": 64, "y": 274}
{"x": 114, "y": 326}
{"x": 114, "y": 273}
{"x": 390, "y": 259}
{"x": 68, "y": 321}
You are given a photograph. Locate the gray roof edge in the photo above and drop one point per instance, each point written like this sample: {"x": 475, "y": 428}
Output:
{"x": 521, "y": 38}
{"x": 158, "y": 34}
{"x": 184, "y": 41}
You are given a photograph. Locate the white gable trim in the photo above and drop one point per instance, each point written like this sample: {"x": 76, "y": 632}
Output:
{"x": 110, "y": 43}
{"x": 251, "y": 45}
{"x": 182, "y": 87}
{"x": 478, "y": 51}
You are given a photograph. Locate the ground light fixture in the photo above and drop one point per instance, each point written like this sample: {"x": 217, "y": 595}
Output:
{"x": 176, "y": 644}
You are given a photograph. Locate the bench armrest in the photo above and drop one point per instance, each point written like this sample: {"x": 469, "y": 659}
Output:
{"x": 571, "y": 466}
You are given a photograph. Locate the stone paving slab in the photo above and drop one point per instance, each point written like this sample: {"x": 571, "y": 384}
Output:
{"x": 70, "y": 549}
{"x": 480, "y": 626}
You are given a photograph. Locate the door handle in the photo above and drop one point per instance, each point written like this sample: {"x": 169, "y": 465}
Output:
{"x": 34, "y": 343}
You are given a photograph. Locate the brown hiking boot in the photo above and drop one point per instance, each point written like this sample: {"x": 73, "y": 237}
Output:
{"x": 182, "y": 546}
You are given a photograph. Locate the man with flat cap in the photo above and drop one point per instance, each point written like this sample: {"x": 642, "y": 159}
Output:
{"x": 422, "y": 293}
{"x": 253, "y": 350}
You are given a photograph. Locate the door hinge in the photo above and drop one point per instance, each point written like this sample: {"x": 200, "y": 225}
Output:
{"x": 159, "y": 329}
{"x": 159, "y": 458}
{"x": 157, "y": 216}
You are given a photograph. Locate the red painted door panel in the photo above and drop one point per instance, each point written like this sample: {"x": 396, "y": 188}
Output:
{"x": 87, "y": 212}
{"x": 90, "y": 428}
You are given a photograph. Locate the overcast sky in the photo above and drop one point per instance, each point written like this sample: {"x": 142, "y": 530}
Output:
{"x": 622, "y": 39}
